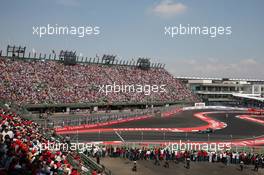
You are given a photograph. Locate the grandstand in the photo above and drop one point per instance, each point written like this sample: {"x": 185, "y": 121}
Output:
{"x": 34, "y": 82}
{"x": 18, "y": 148}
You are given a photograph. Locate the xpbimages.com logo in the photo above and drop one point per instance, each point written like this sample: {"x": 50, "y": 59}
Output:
{"x": 132, "y": 88}
{"x": 57, "y": 146}
{"x": 192, "y": 146}
{"x": 51, "y": 30}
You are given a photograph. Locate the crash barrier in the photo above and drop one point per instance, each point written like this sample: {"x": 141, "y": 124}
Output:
{"x": 91, "y": 126}
{"x": 53, "y": 122}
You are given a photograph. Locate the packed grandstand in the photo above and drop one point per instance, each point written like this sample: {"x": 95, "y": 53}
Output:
{"x": 19, "y": 153}
{"x": 28, "y": 81}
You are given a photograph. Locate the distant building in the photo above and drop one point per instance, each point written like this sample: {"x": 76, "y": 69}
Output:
{"x": 214, "y": 91}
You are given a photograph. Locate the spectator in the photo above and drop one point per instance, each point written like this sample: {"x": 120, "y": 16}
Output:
{"x": 51, "y": 82}
{"x": 19, "y": 153}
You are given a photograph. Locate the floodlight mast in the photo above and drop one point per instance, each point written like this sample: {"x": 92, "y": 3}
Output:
{"x": 143, "y": 63}
{"x": 108, "y": 59}
{"x": 68, "y": 57}
{"x": 16, "y": 51}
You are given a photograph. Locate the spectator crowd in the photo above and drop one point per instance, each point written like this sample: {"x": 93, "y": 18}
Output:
{"x": 52, "y": 82}
{"x": 19, "y": 153}
{"x": 162, "y": 156}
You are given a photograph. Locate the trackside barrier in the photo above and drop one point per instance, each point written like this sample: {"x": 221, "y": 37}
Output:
{"x": 90, "y": 126}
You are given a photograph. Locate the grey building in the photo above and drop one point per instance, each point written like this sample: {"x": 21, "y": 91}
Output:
{"x": 225, "y": 90}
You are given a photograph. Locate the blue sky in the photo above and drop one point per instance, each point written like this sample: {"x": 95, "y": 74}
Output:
{"x": 131, "y": 29}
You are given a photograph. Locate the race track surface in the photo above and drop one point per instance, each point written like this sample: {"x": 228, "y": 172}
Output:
{"x": 179, "y": 120}
{"x": 236, "y": 129}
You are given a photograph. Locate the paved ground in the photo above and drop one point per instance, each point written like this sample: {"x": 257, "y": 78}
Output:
{"x": 123, "y": 167}
{"x": 179, "y": 120}
{"x": 236, "y": 129}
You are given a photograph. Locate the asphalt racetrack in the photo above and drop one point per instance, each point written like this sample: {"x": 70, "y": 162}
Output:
{"x": 236, "y": 129}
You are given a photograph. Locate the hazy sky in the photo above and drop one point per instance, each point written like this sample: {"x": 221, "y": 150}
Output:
{"x": 133, "y": 28}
